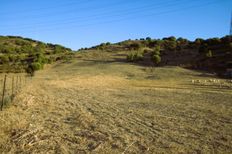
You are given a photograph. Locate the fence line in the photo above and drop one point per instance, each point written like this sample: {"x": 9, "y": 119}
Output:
{"x": 10, "y": 86}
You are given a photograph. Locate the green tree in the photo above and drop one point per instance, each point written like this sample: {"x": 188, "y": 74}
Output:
{"x": 108, "y": 43}
{"x": 148, "y": 39}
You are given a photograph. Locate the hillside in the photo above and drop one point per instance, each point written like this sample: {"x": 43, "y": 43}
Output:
{"x": 19, "y": 54}
{"x": 213, "y": 55}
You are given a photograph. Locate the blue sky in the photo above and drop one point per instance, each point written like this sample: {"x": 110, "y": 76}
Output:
{"x": 85, "y": 23}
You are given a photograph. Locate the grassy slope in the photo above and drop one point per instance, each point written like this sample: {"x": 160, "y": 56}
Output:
{"x": 97, "y": 105}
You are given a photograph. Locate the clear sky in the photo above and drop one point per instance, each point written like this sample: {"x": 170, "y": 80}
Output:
{"x": 85, "y": 23}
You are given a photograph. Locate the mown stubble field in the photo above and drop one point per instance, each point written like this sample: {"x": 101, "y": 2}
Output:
{"x": 87, "y": 106}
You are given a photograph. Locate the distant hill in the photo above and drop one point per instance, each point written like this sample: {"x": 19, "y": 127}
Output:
{"x": 19, "y": 54}
{"x": 213, "y": 55}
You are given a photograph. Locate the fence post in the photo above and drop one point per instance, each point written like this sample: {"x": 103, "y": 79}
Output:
{"x": 12, "y": 95}
{"x": 20, "y": 82}
{"x": 3, "y": 92}
{"x": 17, "y": 78}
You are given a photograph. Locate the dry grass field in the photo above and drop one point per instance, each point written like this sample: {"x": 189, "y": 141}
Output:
{"x": 97, "y": 104}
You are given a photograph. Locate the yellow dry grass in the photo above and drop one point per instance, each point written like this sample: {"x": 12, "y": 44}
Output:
{"x": 112, "y": 107}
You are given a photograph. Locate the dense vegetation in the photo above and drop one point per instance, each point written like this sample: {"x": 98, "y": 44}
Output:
{"x": 213, "y": 55}
{"x": 19, "y": 54}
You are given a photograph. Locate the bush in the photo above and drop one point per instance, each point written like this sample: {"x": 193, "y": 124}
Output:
{"x": 28, "y": 48}
{"x": 213, "y": 41}
{"x": 226, "y": 39}
{"x": 50, "y": 60}
{"x": 135, "y": 56}
{"x": 209, "y": 54}
{"x": 135, "y": 46}
{"x": 36, "y": 66}
{"x": 170, "y": 45}
{"x": 4, "y": 59}
{"x": 203, "y": 48}
{"x": 198, "y": 41}
{"x": 156, "y": 51}
{"x": 147, "y": 50}
{"x": 230, "y": 46}
{"x": 182, "y": 42}
{"x": 12, "y": 58}
{"x": 58, "y": 49}
{"x": 108, "y": 43}
{"x": 171, "y": 38}
{"x": 148, "y": 39}
{"x": 39, "y": 57}
{"x": 156, "y": 59}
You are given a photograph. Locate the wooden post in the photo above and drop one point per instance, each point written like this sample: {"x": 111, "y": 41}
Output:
{"x": 20, "y": 82}
{"x": 12, "y": 94}
{"x": 17, "y": 84}
{"x": 3, "y": 92}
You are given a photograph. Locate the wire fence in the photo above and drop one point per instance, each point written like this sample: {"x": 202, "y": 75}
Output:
{"x": 10, "y": 86}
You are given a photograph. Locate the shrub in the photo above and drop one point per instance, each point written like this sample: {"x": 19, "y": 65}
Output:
{"x": 170, "y": 45}
{"x": 148, "y": 39}
{"x": 152, "y": 43}
{"x": 181, "y": 41}
{"x": 156, "y": 51}
{"x": 4, "y": 59}
{"x": 198, "y": 41}
{"x": 50, "y": 60}
{"x": 41, "y": 58}
{"x": 147, "y": 50}
{"x": 155, "y": 56}
{"x": 67, "y": 58}
{"x": 230, "y": 46}
{"x": 226, "y": 39}
{"x": 108, "y": 43}
{"x": 203, "y": 48}
{"x": 156, "y": 59}
{"x": 36, "y": 66}
{"x": 209, "y": 54}
{"x": 27, "y": 48}
{"x": 135, "y": 46}
{"x": 213, "y": 41}
{"x": 58, "y": 49}
{"x": 135, "y": 56}
{"x": 171, "y": 38}
{"x": 12, "y": 58}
